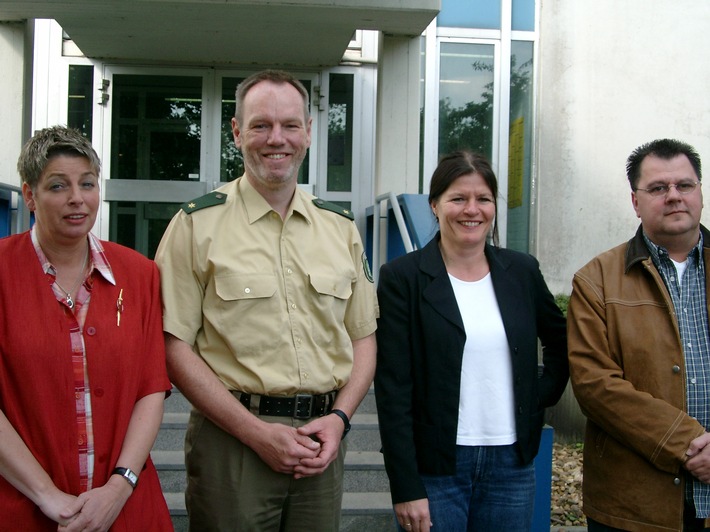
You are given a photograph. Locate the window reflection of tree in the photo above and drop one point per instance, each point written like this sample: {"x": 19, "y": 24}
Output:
{"x": 471, "y": 125}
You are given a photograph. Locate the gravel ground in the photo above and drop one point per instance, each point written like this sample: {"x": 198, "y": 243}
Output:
{"x": 567, "y": 486}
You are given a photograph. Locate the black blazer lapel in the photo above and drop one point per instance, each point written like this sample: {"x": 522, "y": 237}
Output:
{"x": 439, "y": 293}
{"x": 506, "y": 288}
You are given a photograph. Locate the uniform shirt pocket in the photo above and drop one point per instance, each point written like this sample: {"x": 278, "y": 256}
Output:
{"x": 246, "y": 312}
{"x": 331, "y": 285}
{"x": 328, "y": 307}
{"x": 238, "y": 287}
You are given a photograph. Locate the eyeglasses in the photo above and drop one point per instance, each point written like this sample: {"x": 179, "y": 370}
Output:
{"x": 685, "y": 187}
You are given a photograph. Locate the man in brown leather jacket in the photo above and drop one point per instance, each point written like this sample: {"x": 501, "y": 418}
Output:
{"x": 639, "y": 350}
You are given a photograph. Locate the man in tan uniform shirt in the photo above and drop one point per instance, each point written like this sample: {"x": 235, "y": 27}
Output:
{"x": 269, "y": 314}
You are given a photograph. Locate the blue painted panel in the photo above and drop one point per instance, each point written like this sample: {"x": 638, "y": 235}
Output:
{"x": 419, "y": 218}
{"x": 524, "y": 15}
{"x": 483, "y": 14}
{"x": 543, "y": 482}
{"x": 5, "y": 213}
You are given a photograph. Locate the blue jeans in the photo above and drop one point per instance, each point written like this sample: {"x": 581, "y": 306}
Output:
{"x": 491, "y": 490}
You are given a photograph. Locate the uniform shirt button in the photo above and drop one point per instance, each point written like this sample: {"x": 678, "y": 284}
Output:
{"x": 676, "y": 369}
{"x": 91, "y": 331}
{"x": 676, "y": 481}
{"x": 99, "y": 392}
{"x": 247, "y": 290}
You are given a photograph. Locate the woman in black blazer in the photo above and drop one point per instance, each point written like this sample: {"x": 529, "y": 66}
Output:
{"x": 459, "y": 396}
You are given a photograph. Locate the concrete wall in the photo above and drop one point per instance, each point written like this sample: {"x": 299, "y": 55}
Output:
{"x": 397, "y": 122}
{"x": 613, "y": 75}
{"x": 12, "y": 46}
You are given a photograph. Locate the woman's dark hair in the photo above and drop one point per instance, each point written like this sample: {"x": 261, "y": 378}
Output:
{"x": 460, "y": 163}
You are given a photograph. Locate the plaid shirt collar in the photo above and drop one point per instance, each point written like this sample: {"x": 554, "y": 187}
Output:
{"x": 659, "y": 251}
{"x": 99, "y": 262}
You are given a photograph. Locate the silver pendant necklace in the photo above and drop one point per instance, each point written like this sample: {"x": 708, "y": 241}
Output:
{"x": 69, "y": 301}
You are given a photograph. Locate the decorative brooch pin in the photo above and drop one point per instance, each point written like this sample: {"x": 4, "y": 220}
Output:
{"x": 119, "y": 308}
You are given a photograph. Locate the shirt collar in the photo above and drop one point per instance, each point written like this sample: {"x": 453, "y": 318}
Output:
{"x": 99, "y": 262}
{"x": 659, "y": 251}
{"x": 257, "y": 207}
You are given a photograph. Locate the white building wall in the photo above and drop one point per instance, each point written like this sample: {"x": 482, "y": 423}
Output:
{"x": 12, "y": 47}
{"x": 397, "y": 121}
{"x": 613, "y": 75}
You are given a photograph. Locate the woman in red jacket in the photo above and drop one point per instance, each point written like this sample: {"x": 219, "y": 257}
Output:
{"x": 82, "y": 360}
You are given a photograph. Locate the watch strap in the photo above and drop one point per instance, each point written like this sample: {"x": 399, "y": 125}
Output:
{"x": 342, "y": 415}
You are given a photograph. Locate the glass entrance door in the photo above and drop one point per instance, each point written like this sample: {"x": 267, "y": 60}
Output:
{"x": 166, "y": 139}
{"x": 155, "y": 154}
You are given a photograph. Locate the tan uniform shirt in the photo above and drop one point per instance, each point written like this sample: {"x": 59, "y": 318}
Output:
{"x": 272, "y": 306}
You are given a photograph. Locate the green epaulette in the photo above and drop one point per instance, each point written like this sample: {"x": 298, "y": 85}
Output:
{"x": 332, "y": 207}
{"x": 208, "y": 200}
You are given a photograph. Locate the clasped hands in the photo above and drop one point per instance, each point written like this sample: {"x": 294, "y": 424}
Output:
{"x": 92, "y": 511}
{"x": 303, "y": 452}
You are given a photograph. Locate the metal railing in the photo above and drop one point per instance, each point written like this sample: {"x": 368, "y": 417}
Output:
{"x": 381, "y": 218}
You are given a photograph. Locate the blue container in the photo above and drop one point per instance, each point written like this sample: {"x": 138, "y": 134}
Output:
{"x": 418, "y": 218}
{"x": 543, "y": 482}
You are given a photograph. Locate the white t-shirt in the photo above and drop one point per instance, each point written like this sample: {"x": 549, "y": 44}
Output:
{"x": 680, "y": 268}
{"x": 486, "y": 404}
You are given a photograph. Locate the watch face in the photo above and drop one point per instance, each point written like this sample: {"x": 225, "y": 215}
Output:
{"x": 128, "y": 474}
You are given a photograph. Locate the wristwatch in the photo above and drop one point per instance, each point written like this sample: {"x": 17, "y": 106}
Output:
{"x": 342, "y": 415}
{"x": 128, "y": 474}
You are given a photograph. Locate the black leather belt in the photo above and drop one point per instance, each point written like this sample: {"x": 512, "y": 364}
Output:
{"x": 301, "y": 406}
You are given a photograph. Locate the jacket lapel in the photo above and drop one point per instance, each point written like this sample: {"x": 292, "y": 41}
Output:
{"x": 439, "y": 293}
{"x": 505, "y": 288}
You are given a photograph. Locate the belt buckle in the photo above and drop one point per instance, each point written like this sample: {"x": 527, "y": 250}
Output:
{"x": 303, "y": 402}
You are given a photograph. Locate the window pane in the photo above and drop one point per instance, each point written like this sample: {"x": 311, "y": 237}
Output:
{"x": 483, "y": 14}
{"x": 340, "y": 133}
{"x": 524, "y": 15}
{"x": 466, "y": 98}
{"x": 156, "y": 127}
{"x": 231, "y": 161}
{"x": 520, "y": 146}
{"x": 79, "y": 106}
{"x": 156, "y": 133}
{"x": 157, "y": 216}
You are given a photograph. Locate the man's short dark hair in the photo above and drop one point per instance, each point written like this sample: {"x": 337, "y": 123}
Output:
{"x": 663, "y": 149}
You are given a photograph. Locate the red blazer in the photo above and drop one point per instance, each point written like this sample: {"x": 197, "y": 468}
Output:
{"x": 125, "y": 364}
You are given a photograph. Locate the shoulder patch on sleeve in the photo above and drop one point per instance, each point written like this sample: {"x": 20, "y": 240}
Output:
{"x": 208, "y": 200}
{"x": 332, "y": 207}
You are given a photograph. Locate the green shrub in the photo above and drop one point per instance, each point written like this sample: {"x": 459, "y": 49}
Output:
{"x": 562, "y": 301}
